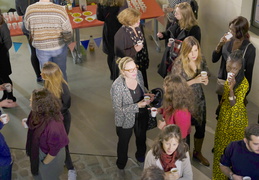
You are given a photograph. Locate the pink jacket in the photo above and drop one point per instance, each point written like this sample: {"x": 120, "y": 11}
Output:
{"x": 181, "y": 118}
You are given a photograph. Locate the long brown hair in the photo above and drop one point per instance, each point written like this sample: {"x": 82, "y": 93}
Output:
{"x": 178, "y": 94}
{"x": 45, "y": 106}
{"x": 241, "y": 26}
{"x": 170, "y": 131}
{"x": 188, "y": 19}
{"x": 186, "y": 48}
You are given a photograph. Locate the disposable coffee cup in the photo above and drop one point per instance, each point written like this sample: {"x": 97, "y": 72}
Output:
{"x": 8, "y": 87}
{"x": 153, "y": 111}
{"x": 204, "y": 73}
{"x": 164, "y": 6}
{"x": 14, "y": 25}
{"x": 230, "y": 74}
{"x": 139, "y": 43}
{"x": 147, "y": 98}
{"x": 9, "y": 25}
{"x": 24, "y": 120}
{"x": 174, "y": 170}
{"x": 20, "y": 24}
{"x": 246, "y": 178}
{"x": 4, "y": 118}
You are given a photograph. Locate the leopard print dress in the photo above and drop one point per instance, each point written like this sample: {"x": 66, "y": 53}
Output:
{"x": 231, "y": 124}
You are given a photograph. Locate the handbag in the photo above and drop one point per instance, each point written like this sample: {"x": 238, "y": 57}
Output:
{"x": 152, "y": 121}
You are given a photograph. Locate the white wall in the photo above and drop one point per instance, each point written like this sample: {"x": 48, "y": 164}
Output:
{"x": 214, "y": 17}
{"x": 5, "y": 5}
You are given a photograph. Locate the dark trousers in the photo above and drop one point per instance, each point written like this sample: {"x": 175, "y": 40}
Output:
{"x": 110, "y": 61}
{"x": 6, "y": 172}
{"x": 34, "y": 59}
{"x": 199, "y": 129}
{"x": 67, "y": 122}
{"x": 6, "y": 95}
{"x": 124, "y": 135}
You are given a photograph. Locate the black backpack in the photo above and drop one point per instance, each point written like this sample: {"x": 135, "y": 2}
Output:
{"x": 195, "y": 7}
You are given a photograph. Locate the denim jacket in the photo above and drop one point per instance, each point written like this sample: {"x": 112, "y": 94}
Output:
{"x": 122, "y": 101}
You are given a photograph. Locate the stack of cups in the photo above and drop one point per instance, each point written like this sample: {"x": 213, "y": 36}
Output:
{"x": 11, "y": 16}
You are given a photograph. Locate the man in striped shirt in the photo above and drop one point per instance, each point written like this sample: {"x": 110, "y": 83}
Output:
{"x": 46, "y": 21}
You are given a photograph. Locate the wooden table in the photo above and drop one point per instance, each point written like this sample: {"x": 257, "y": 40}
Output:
{"x": 153, "y": 11}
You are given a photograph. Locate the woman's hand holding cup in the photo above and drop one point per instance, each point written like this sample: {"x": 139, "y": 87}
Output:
{"x": 142, "y": 104}
{"x": 160, "y": 35}
{"x": 138, "y": 47}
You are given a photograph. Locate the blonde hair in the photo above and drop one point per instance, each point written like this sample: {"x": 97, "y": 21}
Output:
{"x": 186, "y": 48}
{"x": 112, "y": 2}
{"x": 53, "y": 77}
{"x": 129, "y": 16}
{"x": 188, "y": 19}
{"x": 122, "y": 62}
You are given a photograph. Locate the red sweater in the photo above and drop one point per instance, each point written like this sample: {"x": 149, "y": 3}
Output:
{"x": 181, "y": 118}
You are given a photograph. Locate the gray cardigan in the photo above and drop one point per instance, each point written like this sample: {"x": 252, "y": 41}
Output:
{"x": 184, "y": 167}
{"x": 122, "y": 101}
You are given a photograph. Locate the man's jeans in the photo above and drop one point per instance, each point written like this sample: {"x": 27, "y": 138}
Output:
{"x": 58, "y": 56}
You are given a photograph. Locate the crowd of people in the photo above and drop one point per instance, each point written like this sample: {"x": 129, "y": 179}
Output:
{"x": 184, "y": 70}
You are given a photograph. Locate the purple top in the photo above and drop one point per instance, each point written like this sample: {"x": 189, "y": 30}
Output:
{"x": 242, "y": 161}
{"x": 53, "y": 138}
{"x": 5, "y": 155}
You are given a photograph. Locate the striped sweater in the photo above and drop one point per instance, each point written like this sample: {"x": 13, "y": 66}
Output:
{"x": 46, "y": 21}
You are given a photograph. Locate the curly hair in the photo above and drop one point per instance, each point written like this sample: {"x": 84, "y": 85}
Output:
{"x": 129, "y": 16}
{"x": 178, "y": 94}
{"x": 170, "y": 131}
{"x": 44, "y": 106}
{"x": 237, "y": 56}
{"x": 188, "y": 19}
{"x": 53, "y": 77}
{"x": 186, "y": 48}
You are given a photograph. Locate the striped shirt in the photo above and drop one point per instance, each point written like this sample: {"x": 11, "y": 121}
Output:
{"x": 46, "y": 21}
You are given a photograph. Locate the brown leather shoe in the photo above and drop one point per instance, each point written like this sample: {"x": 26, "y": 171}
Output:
{"x": 198, "y": 155}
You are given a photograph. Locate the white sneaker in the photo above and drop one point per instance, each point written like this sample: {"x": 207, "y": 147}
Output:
{"x": 72, "y": 174}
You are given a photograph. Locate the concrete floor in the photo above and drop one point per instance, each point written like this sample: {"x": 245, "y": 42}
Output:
{"x": 92, "y": 129}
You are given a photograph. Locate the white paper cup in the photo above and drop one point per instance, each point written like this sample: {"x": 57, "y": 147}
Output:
{"x": 204, "y": 73}
{"x": 164, "y": 6}
{"x": 174, "y": 170}
{"x": 11, "y": 16}
{"x": 69, "y": 7}
{"x": 24, "y": 120}
{"x": 139, "y": 43}
{"x": 8, "y": 87}
{"x": 14, "y": 25}
{"x": 230, "y": 74}
{"x": 246, "y": 178}
{"x": 4, "y": 118}
{"x": 20, "y": 24}
{"x": 147, "y": 98}
{"x": 153, "y": 112}
{"x": 9, "y": 25}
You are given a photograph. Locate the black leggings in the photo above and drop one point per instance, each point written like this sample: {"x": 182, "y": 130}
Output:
{"x": 124, "y": 135}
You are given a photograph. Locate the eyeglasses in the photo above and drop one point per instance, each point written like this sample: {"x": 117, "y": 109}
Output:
{"x": 131, "y": 70}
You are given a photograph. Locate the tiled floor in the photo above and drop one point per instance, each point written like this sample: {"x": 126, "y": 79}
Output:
{"x": 92, "y": 131}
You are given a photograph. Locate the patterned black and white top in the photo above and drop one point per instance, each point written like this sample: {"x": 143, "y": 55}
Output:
{"x": 122, "y": 102}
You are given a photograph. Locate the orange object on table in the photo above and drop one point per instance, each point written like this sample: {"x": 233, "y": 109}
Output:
{"x": 18, "y": 30}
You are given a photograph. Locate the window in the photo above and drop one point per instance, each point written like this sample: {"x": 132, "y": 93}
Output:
{"x": 254, "y": 27}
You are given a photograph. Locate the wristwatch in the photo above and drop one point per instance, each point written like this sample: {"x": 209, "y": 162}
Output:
{"x": 231, "y": 176}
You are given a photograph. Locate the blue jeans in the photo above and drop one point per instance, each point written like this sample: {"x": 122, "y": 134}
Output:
{"x": 58, "y": 56}
{"x": 6, "y": 172}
